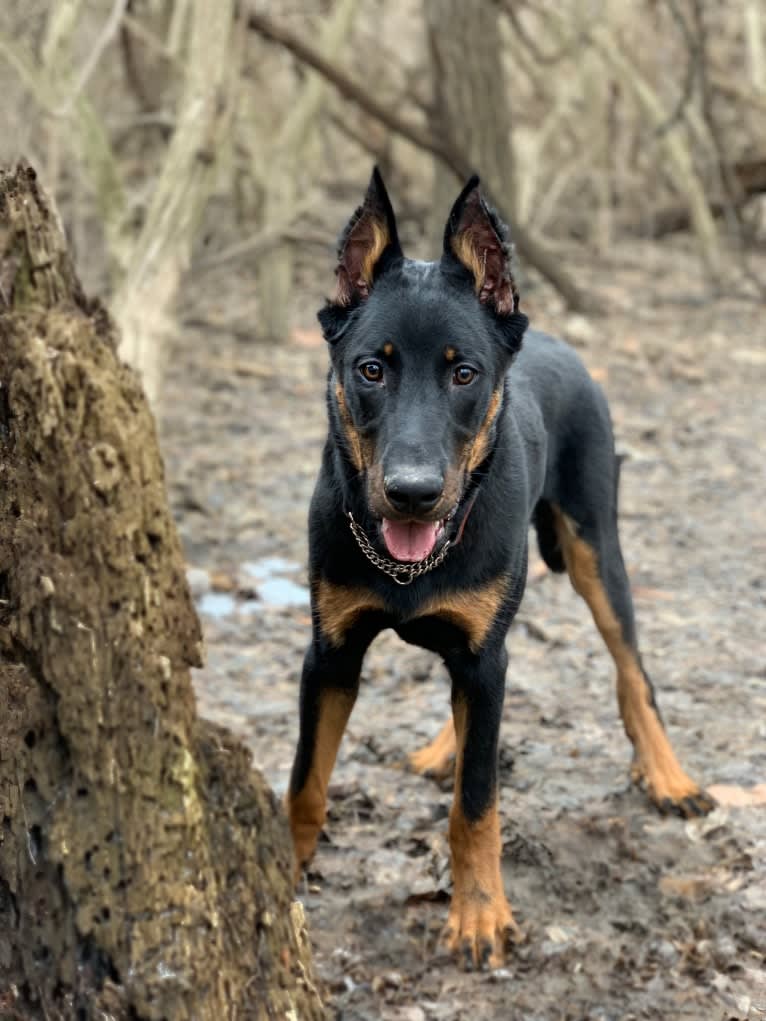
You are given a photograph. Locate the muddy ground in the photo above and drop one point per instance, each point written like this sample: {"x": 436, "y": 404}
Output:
{"x": 626, "y": 914}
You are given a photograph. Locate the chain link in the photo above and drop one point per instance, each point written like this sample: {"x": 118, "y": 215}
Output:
{"x": 402, "y": 574}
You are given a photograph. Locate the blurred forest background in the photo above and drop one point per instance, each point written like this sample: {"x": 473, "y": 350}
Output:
{"x": 204, "y": 155}
{"x": 187, "y": 141}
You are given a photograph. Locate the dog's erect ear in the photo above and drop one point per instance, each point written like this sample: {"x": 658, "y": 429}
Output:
{"x": 476, "y": 237}
{"x": 367, "y": 244}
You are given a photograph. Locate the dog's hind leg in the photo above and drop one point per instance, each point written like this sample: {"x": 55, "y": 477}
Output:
{"x": 437, "y": 757}
{"x": 597, "y": 571}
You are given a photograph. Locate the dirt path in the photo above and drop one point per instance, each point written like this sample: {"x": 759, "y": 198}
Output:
{"x": 627, "y": 915}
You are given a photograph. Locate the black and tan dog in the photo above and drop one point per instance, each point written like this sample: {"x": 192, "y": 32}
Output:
{"x": 446, "y": 438}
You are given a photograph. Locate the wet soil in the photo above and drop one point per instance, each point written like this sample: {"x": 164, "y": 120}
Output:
{"x": 626, "y": 914}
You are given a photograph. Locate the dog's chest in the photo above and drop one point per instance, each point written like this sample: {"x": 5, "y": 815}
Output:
{"x": 471, "y": 610}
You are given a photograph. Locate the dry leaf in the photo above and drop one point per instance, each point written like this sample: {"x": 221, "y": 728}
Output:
{"x": 222, "y": 581}
{"x": 645, "y": 592}
{"x": 254, "y": 369}
{"x": 690, "y": 887}
{"x": 537, "y": 570}
{"x": 733, "y": 796}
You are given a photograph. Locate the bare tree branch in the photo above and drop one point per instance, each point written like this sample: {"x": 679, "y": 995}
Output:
{"x": 692, "y": 69}
{"x": 529, "y": 247}
{"x": 679, "y": 159}
{"x": 355, "y": 92}
{"x": 728, "y": 87}
{"x": 566, "y": 49}
{"x": 729, "y": 182}
{"x": 751, "y": 181}
{"x": 107, "y": 34}
{"x": 162, "y": 250}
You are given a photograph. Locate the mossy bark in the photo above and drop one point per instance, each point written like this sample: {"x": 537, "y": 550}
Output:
{"x": 144, "y": 868}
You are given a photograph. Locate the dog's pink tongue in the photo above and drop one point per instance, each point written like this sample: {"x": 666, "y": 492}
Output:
{"x": 409, "y": 540}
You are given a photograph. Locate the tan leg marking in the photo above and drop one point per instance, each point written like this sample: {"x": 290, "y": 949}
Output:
{"x": 436, "y": 758}
{"x": 473, "y": 611}
{"x": 306, "y": 810}
{"x": 480, "y": 919}
{"x": 655, "y": 761}
{"x": 339, "y": 607}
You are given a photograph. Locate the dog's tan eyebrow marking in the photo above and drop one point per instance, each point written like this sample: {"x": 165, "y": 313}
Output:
{"x": 449, "y": 353}
{"x": 388, "y": 349}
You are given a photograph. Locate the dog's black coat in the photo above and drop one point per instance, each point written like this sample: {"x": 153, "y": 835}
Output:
{"x": 551, "y": 443}
{"x": 547, "y": 455}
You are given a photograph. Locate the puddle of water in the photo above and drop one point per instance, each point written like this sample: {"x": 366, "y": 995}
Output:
{"x": 267, "y": 567}
{"x": 217, "y": 604}
{"x": 274, "y": 592}
{"x": 282, "y": 592}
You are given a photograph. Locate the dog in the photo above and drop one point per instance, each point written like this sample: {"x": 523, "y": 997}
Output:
{"x": 447, "y": 437}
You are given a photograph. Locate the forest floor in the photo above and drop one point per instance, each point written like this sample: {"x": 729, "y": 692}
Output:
{"x": 626, "y": 914}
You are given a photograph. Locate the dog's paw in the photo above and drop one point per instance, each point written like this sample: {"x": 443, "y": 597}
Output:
{"x": 689, "y": 806}
{"x": 479, "y": 930}
{"x": 427, "y": 763}
{"x": 437, "y": 758}
{"x": 672, "y": 792}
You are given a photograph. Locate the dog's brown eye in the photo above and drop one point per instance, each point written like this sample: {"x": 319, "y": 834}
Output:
{"x": 463, "y": 375}
{"x": 372, "y": 371}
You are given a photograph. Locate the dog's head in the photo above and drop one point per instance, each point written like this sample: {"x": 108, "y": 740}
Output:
{"x": 419, "y": 354}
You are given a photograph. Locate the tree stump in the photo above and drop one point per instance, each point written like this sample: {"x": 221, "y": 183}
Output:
{"x": 145, "y": 870}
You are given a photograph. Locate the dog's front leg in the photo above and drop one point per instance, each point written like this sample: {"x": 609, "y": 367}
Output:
{"x": 329, "y": 686}
{"x": 480, "y": 919}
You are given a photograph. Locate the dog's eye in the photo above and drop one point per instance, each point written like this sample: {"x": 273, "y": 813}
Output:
{"x": 463, "y": 375}
{"x": 372, "y": 371}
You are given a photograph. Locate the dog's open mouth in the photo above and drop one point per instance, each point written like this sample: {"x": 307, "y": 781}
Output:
{"x": 411, "y": 541}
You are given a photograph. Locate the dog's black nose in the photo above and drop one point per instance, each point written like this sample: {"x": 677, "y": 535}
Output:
{"x": 412, "y": 491}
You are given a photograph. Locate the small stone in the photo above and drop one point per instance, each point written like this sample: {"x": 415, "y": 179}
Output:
{"x": 579, "y": 331}
{"x": 556, "y": 934}
{"x": 199, "y": 581}
{"x": 410, "y": 1014}
{"x": 664, "y": 952}
{"x": 724, "y": 952}
{"x": 221, "y": 581}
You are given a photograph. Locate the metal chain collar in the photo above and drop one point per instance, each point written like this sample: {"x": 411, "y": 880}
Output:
{"x": 403, "y": 574}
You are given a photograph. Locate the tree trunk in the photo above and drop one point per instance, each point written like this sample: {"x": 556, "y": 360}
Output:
{"x": 530, "y": 247}
{"x": 471, "y": 109}
{"x": 143, "y": 303}
{"x": 280, "y": 170}
{"x": 144, "y": 869}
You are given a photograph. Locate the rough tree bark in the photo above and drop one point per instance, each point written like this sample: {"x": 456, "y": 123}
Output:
{"x": 144, "y": 869}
